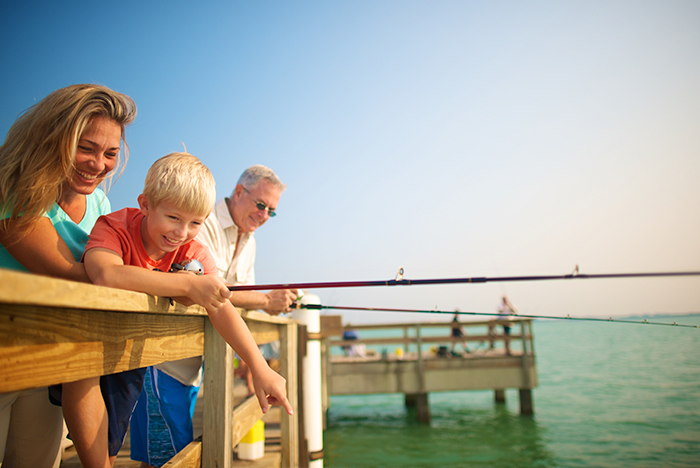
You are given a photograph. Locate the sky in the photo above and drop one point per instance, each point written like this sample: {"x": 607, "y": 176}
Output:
{"x": 449, "y": 138}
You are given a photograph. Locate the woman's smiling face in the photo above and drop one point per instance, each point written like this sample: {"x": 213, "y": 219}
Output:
{"x": 96, "y": 154}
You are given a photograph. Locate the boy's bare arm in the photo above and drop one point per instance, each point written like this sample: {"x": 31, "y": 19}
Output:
{"x": 269, "y": 386}
{"x": 106, "y": 268}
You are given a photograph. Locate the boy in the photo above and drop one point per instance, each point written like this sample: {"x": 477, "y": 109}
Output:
{"x": 134, "y": 248}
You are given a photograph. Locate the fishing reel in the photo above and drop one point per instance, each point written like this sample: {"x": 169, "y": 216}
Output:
{"x": 192, "y": 265}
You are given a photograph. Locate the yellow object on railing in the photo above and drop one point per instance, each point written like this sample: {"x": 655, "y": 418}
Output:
{"x": 252, "y": 445}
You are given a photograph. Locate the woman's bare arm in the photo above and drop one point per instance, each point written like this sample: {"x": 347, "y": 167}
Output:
{"x": 42, "y": 251}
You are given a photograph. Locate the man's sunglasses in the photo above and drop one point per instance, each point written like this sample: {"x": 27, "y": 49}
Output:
{"x": 261, "y": 206}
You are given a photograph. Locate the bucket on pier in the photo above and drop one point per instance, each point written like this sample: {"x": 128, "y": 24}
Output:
{"x": 252, "y": 445}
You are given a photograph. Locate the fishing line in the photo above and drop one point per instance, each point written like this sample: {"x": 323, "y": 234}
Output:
{"x": 435, "y": 311}
{"x": 400, "y": 281}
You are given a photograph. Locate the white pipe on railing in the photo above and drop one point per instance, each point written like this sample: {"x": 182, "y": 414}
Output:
{"x": 311, "y": 380}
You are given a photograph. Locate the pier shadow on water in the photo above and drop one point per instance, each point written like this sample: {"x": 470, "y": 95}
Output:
{"x": 467, "y": 429}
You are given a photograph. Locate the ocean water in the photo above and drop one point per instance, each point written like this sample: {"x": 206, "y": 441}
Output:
{"x": 609, "y": 395}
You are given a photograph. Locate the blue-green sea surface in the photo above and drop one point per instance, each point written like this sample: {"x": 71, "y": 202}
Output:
{"x": 610, "y": 395}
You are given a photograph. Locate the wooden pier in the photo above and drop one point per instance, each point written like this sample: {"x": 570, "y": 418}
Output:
{"x": 54, "y": 331}
{"x": 413, "y": 359}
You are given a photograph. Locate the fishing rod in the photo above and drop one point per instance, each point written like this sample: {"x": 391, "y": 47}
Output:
{"x": 400, "y": 281}
{"x": 505, "y": 318}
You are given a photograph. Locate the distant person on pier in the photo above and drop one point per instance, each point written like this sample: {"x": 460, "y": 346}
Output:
{"x": 356, "y": 350}
{"x": 458, "y": 336}
{"x": 170, "y": 389}
{"x": 506, "y": 311}
{"x": 54, "y": 158}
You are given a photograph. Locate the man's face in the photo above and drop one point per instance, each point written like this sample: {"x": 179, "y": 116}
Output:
{"x": 244, "y": 206}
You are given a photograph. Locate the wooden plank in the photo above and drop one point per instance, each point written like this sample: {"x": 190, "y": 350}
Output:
{"x": 42, "y": 346}
{"x": 269, "y": 460}
{"x": 465, "y": 324}
{"x": 254, "y": 315}
{"x": 263, "y": 332}
{"x": 355, "y": 378}
{"x": 217, "y": 448}
{"x": 426, "y": 339}
{"x": 331, "y": 325}
{"x": 189, "y": 457}
{"x": 28, "y": 289}
{"x": 244, "y": 418}
{"x": 289, "y": 425}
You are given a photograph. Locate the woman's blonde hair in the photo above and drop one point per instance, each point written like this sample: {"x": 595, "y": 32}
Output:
{"x": 184, "y": 181}
{"x": 37, "y": 156}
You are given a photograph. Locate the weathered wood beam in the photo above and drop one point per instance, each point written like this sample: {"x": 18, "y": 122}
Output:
{"x": 289, "y": 339}
{"x": 427, "y": 339}
{"x": 244, "y": 418}
{"x": 189, "y": 457}
{"x": 217, "y": 448}
{"x": 28, "y": 289}
{"x": 42, "y": 346}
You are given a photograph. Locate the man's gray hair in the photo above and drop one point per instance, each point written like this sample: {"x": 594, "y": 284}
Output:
{"x": 255, "y": 174}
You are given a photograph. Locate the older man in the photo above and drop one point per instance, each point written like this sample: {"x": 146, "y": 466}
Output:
{"x": 162, "y": 422}
{"x": 228, "y": 232}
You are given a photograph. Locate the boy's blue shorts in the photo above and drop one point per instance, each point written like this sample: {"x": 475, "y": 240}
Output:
{"x": 162, "y": 422}
{"x": 120, "y": 392}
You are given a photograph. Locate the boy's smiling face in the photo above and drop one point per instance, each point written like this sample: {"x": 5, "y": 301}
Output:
{"x": 166, "y": 227}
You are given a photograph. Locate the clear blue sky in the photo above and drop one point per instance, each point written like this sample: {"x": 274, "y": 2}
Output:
{"x": 452, "y": 138}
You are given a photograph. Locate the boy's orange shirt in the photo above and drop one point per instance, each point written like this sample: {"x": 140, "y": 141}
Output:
{"x": 120, "y": 232}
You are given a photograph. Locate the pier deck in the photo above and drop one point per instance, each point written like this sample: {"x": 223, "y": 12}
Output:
{"x": 423, "y": 363}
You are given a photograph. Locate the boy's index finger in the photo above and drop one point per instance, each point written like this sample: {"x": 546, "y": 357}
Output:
{"x": 287, "y": 406}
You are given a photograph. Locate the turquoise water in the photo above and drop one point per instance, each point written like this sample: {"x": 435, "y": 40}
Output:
{"x": 610, "y": 395}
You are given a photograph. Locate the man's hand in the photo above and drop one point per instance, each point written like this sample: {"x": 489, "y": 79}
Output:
{"x": 279, "y": 301}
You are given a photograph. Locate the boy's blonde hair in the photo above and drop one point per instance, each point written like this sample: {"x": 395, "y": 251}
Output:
{"x": 183, "y": 180}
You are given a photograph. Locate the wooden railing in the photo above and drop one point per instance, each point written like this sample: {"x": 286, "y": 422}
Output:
{"x": 54, "y": 331}
{"x": 412, "y": 370}
{"x": 414, "y": 334}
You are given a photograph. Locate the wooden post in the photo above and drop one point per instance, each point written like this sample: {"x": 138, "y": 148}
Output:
{"x": 525, "y": 358}
{"x": 422, "y": 407}
{"x": 492, "y": 334}
{"x": 288, "y": 369}
{"x": 423, "y": 410}
{"x": 217, "y": 431}
{"x": 409, "y": 400}
{"x": 325, "y": 366}
{"x": 526, "y": 406}
{"x": 499, "y": 396}
{"x": 301, "y": 352}
{"x": 419, "y": 361}
{"x": 311, "y": 382}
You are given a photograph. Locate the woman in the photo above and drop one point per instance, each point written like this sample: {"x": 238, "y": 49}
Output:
{"x": 53, "y": 159}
